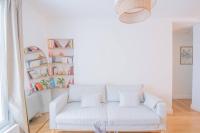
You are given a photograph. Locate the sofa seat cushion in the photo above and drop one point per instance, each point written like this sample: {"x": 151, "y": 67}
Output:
{"x": 139, "y": 115}
{"x": 73, "y": 113}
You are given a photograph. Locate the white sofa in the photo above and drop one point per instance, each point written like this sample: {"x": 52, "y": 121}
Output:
{"x": 66, "y": 113}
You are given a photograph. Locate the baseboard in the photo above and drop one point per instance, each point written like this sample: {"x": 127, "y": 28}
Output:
{"x": 183, "y": 96}
{"x": 194, "y": 107}
{"x": 170, "y": 111}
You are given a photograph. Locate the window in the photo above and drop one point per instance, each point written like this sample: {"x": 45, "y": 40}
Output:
{"x": 3, "y": 88}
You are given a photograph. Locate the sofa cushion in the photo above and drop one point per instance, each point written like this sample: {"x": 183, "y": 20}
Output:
{"x": 139, "y": 115}
{"x": 90, "y": 100}
{"x": 74, "y": 114}
{"x": 113, "y": 91}
{"x": 76, "y": 91}
{"x": 129, "y": 98}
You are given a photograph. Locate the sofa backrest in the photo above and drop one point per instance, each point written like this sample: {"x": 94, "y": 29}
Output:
{"x": 76, "y": 92}
{"x": 112, "y": 91}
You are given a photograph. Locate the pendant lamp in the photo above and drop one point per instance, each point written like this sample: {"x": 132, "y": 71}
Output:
{"x": 132, "y": 11}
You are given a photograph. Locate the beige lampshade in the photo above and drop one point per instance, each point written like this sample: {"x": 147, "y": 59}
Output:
{"x": 132, "y": 11}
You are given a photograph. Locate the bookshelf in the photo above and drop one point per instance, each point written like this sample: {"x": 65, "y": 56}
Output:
{"x": 37, "y": 69}
{"x": 61, "y": 58}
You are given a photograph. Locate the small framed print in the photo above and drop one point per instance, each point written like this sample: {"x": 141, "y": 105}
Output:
{"x": 186, "y": 55}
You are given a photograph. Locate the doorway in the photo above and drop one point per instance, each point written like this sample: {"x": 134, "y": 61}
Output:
{"x": 182, "y": 60}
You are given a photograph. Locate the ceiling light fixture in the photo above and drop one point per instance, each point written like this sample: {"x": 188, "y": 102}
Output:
{"x": 132, "y": 11}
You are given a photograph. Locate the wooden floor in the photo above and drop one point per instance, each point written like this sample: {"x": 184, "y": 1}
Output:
{"x": 38, "y": 123}
{"x": 183, "y": 120}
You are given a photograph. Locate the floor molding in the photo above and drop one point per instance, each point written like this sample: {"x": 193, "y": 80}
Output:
{"x": 196, "y": 108}
{"x": 170, "y": 111}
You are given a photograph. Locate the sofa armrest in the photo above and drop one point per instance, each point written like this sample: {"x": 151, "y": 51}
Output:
{"x": 155, "y": 104}
{"x": 55, "y": 107}
{"x": 161, "y": 110}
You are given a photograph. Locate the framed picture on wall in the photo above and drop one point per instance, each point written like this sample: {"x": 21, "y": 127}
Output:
{"x": 186, "y": 55}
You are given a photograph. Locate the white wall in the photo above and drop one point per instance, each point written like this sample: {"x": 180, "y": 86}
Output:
{"x": 196, "y": 69}
{"x": 34, "y": 27}
{"x": 109, "y": 52}
{"x": 182, "y": 74}
{"x": 34, "y": 32}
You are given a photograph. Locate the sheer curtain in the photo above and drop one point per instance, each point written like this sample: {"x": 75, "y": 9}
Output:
{"x": 15, "y": 63}
{"x": 3, "y": 87}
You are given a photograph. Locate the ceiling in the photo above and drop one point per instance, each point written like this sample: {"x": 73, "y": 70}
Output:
{"x": 105, "y": 8}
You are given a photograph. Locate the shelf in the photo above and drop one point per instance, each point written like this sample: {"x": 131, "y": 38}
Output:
{"x": 61, "y": 75}
{"x": 60, "y": 56}
{"x": 36, "y": 59}
{"x": 64, "y": 55}
{"x": 60, "y": 88}
{"x": 32, "y": 68}
{"x": 60, "y": 63}
{"x": 40, "y": 78}
{"x": 33, "y": 52}
{"x": 64, "y": 75}
{"x": 63, "y": 48}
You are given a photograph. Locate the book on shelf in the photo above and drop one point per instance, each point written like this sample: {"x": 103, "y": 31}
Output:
{"x": 69, "y": 44}
{"x": 61, "y": 62}
{"x": 32, "y": 49}
{"x": 37, "y": 69}
{"x": 60, "y": 43}
{"x": 51, "y": 44}
{"x": 57, "y": 44}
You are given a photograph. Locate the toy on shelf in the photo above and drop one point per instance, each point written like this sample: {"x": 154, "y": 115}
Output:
{"x": 61, "y": 54}
{"x": 37, "y": 69}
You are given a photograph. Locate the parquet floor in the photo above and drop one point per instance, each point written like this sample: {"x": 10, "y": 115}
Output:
{"x": 183, "y": 120}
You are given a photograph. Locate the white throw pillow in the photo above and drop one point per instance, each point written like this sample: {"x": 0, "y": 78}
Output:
{"x": 90, "y": 100}
{"x": 129, "y": 98}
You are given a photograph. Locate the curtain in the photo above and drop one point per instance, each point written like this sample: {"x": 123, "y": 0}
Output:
{"x": 3, "y": 85}
{"x": 15, "y": 63}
